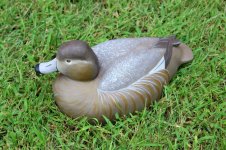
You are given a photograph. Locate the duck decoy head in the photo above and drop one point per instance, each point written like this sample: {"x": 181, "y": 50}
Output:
{"x": 75, "y": 59}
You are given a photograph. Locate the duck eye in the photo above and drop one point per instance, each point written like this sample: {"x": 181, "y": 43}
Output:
{"x": 68, "y": 60}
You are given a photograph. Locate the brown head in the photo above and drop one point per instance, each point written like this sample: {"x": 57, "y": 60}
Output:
{"x": 76, "y": 60}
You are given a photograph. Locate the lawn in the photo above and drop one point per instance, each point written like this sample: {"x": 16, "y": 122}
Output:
{"x": 191, "y": 113}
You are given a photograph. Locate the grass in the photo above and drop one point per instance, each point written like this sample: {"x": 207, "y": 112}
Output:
{"x": 191, "y": 114}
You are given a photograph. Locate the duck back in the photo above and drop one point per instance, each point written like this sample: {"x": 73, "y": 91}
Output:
{"x": 124, "y": 61}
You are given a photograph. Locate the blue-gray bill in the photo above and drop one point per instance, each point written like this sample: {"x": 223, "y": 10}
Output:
{"x": 46, "y": 67}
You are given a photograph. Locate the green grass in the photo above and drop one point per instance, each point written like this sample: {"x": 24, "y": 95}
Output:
{"x": 191, "y": 114}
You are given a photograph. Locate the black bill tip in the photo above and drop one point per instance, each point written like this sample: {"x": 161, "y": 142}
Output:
{"x": 37, "y": 70}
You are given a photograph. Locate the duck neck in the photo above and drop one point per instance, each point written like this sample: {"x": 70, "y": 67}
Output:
{"x": 94, "y": 68}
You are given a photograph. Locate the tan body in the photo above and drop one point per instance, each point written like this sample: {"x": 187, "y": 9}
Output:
{"x": 120, "y": 85}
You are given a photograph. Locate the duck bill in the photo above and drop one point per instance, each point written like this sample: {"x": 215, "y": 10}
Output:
{"x": 46, "y": 67}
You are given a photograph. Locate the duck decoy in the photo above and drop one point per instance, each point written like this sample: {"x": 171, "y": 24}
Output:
{"x": 117, "y": 76}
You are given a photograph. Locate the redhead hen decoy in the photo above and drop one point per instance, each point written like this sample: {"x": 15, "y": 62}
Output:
{"x": 118, "y": 76}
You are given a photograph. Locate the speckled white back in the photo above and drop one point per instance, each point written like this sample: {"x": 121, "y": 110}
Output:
{"x": 124, "y": 61}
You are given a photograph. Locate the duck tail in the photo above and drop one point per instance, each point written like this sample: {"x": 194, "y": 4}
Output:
{"x": 168, "y": 43}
